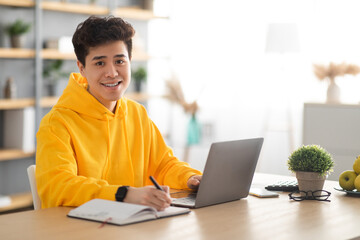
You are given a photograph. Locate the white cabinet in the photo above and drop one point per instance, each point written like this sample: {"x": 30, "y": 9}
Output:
{"x": 335, "y": 127}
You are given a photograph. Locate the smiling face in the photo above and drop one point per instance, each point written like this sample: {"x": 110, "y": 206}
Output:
{"x": 107, "y": 70}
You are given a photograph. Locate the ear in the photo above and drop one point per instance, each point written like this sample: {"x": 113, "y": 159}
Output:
{"x": 81, "y": 68}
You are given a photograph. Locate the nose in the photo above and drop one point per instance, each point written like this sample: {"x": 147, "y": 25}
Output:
{"x": 111, "y": 71}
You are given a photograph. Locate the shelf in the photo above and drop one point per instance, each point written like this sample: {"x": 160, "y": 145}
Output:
{"x": 6, "y": 104}
{"x": 135, "y": 13}
{"x": 18, "y": 201}
{"x": 12, "y": 154}
{"x": 55, "y": 54}
{"x": 88, "y": 9}
{"x": 17, "y": 3}
{"x": 16, "y": 53}
{"x": 75, "y": 8}
{"x": 30, "y": 53}
{"x": 47, "y": 102}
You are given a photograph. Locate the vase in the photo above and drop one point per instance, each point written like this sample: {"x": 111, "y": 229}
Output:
{"x": 138, "y": 86}
{"x": 310, "y": 181}
{"x": 333, "y": 92}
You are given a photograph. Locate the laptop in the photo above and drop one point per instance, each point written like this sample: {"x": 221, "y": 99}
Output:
{"x": 228, "y": 173}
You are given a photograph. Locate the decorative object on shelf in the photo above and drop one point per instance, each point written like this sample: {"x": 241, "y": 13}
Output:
{"x": 139, "y": 76}
{"x": 93, "y": 2}
{"x": 332, "y": 71}
{"x": 148, "y": 5}
{"x": 16, "y": 32}
{"x": 10, "y": 88}
{"x": 51, "y": 43}
{"x": 194, "y": 127}
{"x": 311, "y": 164}
{"x": 53, "y": 73}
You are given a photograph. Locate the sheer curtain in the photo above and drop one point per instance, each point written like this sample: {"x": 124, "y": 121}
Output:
{"x": 217, "y": 51}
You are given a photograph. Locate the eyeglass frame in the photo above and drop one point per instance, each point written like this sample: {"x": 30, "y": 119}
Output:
{"x": 310, "y": 197}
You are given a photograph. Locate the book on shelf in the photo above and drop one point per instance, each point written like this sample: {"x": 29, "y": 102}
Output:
{"x": 19, "y": 130}
{"x": 4, "y": 201}
{"x": 120, "y": 213}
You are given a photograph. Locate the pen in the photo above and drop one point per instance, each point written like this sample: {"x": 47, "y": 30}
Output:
{"x": 156, "y": 184}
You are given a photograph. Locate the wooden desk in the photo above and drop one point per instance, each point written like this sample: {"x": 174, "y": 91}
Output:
{"x": 249, "y": 218}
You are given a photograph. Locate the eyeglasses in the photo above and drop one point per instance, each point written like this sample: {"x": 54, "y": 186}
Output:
{"x": 319, "y": 195}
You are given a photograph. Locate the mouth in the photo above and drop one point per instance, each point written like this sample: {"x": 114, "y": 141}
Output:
{"x": 111, "y": 84}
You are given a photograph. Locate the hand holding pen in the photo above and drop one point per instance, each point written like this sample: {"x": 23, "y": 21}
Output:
{"x": 166, "y": 199}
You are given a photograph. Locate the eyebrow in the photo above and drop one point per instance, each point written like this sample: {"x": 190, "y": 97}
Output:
{"x": 102, "y": 57}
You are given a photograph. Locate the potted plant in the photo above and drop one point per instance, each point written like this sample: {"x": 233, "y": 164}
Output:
{"x": 311, "y": 165}
{"x": 16, "y": 32}
{"x": 53, "y": 73}
{"x": 139, "y": 76}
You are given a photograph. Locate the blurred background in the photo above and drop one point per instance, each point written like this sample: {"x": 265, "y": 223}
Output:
{"x": 213, "y": 71}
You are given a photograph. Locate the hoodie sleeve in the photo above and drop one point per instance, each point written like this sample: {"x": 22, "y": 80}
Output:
{"x": 57, "y": 177}
{"x": 167, "y": 169}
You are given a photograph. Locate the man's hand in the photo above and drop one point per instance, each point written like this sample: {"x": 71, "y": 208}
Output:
{"x": 149, "y": 196}
{"x": 194, "y": 181}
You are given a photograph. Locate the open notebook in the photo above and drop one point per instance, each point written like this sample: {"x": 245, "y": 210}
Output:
{"x": 121, "y": 213}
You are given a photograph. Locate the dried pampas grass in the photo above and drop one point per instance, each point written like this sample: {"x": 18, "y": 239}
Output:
{"x": 176, "y": 95}
{"x": 334, "y": 70}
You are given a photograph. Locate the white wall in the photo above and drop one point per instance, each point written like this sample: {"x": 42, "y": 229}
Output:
{"x": 219, "y": 46}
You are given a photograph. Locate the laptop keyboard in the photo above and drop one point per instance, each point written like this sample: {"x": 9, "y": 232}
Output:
{"x": 186, "y": 200}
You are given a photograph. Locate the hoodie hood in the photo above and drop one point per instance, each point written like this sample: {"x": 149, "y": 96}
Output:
{"x": 77, "y": 98}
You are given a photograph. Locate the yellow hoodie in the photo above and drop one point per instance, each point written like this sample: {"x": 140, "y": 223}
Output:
{"x": 85, "y": 151}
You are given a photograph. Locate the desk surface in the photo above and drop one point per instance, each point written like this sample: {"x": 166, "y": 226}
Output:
{"x": 249, "y": 218}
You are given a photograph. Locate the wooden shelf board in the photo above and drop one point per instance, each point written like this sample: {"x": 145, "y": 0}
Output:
{"x": 135, "y": 13}
{"x": 16, "y": 53}
{"x": 138, "y": 55}
{"x": 48, "y": 101}
{"x": 6, "y": 104}
{"x": 17, "y": 3}
{"x": 11, "y": 154}
{"x": 18, "y": 201}
{"x": 56, "y": 54}
{"x": 74, "y": 8}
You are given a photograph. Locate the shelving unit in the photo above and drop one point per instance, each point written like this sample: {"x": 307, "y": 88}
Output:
{"x": 37, "y": 55}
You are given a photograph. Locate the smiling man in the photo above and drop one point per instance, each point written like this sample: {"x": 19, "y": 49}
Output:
{"x": 95, "y": 143}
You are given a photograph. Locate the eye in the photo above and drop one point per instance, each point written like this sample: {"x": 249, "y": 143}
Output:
{"x": 119, "y": 61}
{"x": 100, "y": 63}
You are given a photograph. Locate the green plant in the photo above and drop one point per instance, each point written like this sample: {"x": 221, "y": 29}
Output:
{"x": 17, "y": 28}
{"x": 311, "y": 158}
{"x": 52, "y": 71}
{"x": 139, "y": 74}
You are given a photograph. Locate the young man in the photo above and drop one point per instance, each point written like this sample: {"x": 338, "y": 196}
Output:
{"x": 95, "y": 143}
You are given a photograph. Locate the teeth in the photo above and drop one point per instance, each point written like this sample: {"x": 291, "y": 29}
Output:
{"x": 112, "y": 85}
